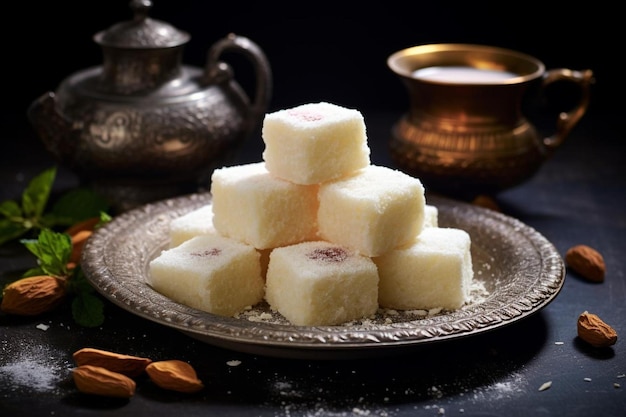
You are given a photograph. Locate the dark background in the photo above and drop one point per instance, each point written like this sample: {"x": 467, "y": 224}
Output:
{"x": 318, "y": 50}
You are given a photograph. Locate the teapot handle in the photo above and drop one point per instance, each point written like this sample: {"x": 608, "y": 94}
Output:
{"x": 567, "y": 120}
{"x": 218, "y": 71}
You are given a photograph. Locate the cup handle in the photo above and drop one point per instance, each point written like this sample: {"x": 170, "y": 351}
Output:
{"x": 567, "y": 120}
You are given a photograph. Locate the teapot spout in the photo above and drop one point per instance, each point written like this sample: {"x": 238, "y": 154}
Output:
{"x": 52, "y": 127}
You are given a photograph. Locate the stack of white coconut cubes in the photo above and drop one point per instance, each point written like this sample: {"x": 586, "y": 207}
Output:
{"x": 316, "y": 230}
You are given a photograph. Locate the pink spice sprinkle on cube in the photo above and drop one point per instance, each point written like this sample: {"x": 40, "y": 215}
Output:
{"x": 307, "y": 116}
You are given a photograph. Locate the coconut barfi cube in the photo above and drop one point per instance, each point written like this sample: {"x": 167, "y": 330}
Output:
{"x": 373, "y": 211}
{"x": 320, "y": 283}
{"x": 315, "y": 142}
{"x": 433, "y": 272}
{"x": 211, "y": 273}
{"x": 195, "y": 223}
{"x": 431, "y": 216}
{"x": 255, "y": 207}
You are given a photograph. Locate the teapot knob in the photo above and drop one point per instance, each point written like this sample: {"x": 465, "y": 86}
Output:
{"x": 140, "y": 9}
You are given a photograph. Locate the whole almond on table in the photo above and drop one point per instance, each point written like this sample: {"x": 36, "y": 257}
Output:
{"x": 96, "y": 380}
{"x": 587, "y": 262}
{"x": 174, "y": 375}
{"x": 33, "y": 295}
{"x": 128, "y": 365}
{"x": 593, "y": 330}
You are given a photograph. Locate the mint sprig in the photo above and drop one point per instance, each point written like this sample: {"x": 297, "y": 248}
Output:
{"x": 30, "y": 214}
{"x": 33, "y": 220}
{"x": 53, "y": 250}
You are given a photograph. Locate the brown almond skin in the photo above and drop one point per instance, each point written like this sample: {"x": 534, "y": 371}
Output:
{"x": 487, "y": 202}
{"x": 587, "y": 262}
{"x": 593, "y": 330}
{"x": 100, "y": 381}
{"x": 78, "y": 242}
{"x": 128, "y": 365}
{"x": 33, "y": 295}
{"x": 88, "y": 224}
{"x": 174, "y": 375}
{"x": 79, "y": 233}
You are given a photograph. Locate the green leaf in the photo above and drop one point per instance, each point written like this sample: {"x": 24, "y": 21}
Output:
{"x": 79, "y": 204}
{"x": 50, "y": 221}
{"x": 37, "y": 193}
{"x": 11, "y": 210}
{"x": 33, "y": 272}
{"x": 52, "y": 250}
{"x": 88, "y": 310}
{"x": 78, "y": 284}
{"x": 10, "y": 230}
{"x": 104, "y": 218}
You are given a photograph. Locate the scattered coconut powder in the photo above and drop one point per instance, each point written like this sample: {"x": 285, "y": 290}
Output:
{"x": 34, "y": 368}
{"x": 264, "y": 314}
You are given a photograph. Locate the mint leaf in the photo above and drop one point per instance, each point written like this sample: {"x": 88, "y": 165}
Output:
{"x": 88, "y": 310}
{"x": 33, "y": 272}
{"x": 36, "y": 194}
{"x": 79, "y": 283}
{"x": 12, "y": 225}
{"x": 52, "y": 250}
{"x": 11, "y": 210}
{"x": 104, "y": 218}
{"x": 18, "y": 220}
{"x": 70, "y": 208}
{"x": 77, "y": 205}
{"x": 10, "y": 230}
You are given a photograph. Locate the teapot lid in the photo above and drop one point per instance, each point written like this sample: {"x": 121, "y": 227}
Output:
{"x": 142, "y": 32}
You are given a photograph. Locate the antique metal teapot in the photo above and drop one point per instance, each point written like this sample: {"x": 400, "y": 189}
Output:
{"x": 143, "y": 126}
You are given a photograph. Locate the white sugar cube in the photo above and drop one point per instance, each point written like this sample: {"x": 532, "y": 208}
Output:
{"x": 373, "y": 211}
{"x": 433, "y": 272}
{"x": 321, "y": 283}
{"x": 253, "y": 206}
{"x": 210, "y": 273}
{"x": 196, "y": 222}
{"x": 431, "y": 216}
{"x": 315, "y": 142}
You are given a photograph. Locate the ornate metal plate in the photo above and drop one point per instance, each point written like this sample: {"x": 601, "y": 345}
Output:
{"x": 518, "y": 271}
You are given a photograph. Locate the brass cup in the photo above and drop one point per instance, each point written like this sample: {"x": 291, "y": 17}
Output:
{"x": 469, "y": 137}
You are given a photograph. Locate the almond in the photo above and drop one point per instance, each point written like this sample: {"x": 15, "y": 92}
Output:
{"x": 96, "y": 380}
{"x": 78, "y": 242}
{"x": 88, "y": 224}
{"x": 486, "y": 201}
{"x": 594, "y": 331}
{"x": 174, "y": 375}
{"x": 79, "y": 233}
{"x": 33, "y": 295}
{"x": 587, "y": 262}
{"x": 128, "y": 365}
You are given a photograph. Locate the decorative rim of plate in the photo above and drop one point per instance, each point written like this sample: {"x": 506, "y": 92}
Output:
{"x": 115, "y": 260}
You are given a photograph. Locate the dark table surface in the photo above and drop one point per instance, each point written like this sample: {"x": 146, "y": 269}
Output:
{"x": 577, "y": 197}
